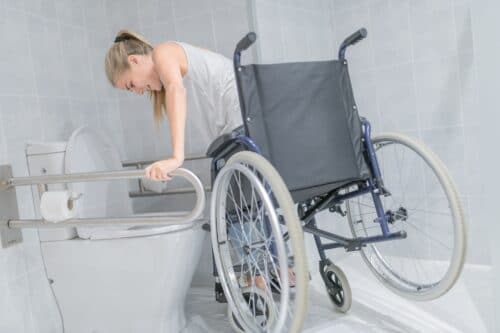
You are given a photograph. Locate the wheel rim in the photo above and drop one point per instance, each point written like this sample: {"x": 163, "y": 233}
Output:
{"x": 337, "y": 296}
{"x": 245, "y": 248}
{"x": 425, "y": 264}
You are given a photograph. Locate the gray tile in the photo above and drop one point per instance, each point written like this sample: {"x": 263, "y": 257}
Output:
{"x": 153, "y": 12}
{"x": 42, "y": 8}
{"x": 343, "y": 5}
{"x": 70, "y": 12}
{"x": 15, "y": 60}
{"x": 294, "y": 22}
{"x": 21, "y": 118}
{"x": 84, "y": 113}
{"x": 56, "y": 118}
{"x": 438, "y": 93}
{"x": 269, "y": 32}
{"x": 160, "y": 32}
{"x": 433, "y": 30}
{"x": 389, "y": 33}
{"x": 463, "y": 27}
{"x": 110, "y": 122}
{"x": 95, "y": 15}
{"x": 197, "y": 30}
{"x": 163, "y": 145}
{"x": 189, "y": 8}
{"x": 122, "y": 15}
{"x": 46, "y": 51}
{"x": 474, "y": 170}
{"x": 396, "y": 98}
{"x": 76, "y": 63}
{"x": 319, "y": 40}
{"x": 137, "y": 122}
{"x": 103, "y": 88}
{"x": 230, "y": 25}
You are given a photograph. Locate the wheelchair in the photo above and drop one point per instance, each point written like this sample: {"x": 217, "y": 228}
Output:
{"x": 304, "y": 149}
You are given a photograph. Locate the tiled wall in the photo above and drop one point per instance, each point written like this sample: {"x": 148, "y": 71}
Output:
{"x": 53, "y": 81}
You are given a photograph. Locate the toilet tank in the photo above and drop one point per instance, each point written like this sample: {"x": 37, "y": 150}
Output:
{"x": 47, "y": 158}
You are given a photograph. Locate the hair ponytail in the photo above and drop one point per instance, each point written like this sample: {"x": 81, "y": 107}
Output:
{"x": 116, "y": 63}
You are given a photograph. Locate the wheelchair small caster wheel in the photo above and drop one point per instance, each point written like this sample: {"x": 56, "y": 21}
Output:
{"x": 338, "y": 287}
{"x": 220, "y": 297}
{"x": 258, "y": 301}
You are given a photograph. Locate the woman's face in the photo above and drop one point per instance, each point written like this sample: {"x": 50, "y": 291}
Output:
{"x": 140, "y": 77}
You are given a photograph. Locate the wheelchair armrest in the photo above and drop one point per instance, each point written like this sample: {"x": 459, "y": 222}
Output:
{"x": 223, "y": 141}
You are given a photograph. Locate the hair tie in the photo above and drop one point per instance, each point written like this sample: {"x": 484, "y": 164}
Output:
{"x": 121, "y": 39}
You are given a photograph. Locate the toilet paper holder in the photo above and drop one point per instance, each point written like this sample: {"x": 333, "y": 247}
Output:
{"x": 73, "y": 198}
{"x": 11, "y": 225}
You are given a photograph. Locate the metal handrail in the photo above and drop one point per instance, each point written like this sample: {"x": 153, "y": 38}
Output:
{"x": 107, "y": 175}
{"x": 192, "y": 157}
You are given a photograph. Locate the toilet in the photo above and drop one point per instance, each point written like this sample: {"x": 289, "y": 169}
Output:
{"x": 116, "y": 278}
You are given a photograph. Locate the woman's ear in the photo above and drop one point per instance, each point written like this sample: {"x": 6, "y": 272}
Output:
{"x": 132, "y": 59}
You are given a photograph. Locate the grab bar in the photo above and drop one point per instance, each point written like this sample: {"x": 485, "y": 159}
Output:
{"x": 96, "y": 176}
{"x": 142, "y": 192}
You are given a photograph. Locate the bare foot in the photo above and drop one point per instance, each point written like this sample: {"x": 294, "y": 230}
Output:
{"x": 260, "y": 282}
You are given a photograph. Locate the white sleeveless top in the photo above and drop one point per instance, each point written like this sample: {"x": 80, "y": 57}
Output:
{"x": 212, "y": 98}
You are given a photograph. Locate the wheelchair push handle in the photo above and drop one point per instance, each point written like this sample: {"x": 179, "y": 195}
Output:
{"x": 351, "y": 40}
{"x": 246, "y": 41}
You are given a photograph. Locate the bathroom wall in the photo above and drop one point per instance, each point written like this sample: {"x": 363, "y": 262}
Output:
{"x": 485, "y": 25}
{"x": 415, "y": 73}
{"x": 51, "y": 66}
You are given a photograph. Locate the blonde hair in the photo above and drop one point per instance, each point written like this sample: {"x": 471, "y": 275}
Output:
{"x": 116, "y": 63}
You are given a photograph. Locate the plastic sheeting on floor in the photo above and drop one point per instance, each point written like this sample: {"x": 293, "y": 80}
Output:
{"x": 374, "y": 309}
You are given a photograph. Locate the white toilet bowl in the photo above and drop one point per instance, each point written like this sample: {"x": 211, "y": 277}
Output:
{"x": 113, "y": 279}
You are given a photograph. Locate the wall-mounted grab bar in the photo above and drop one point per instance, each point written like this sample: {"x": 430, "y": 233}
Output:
{"x": 8, "y": 183}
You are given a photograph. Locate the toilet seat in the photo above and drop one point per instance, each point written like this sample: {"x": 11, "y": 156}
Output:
{"x": 145, "y": 230}
{"x": 89, "y": 150}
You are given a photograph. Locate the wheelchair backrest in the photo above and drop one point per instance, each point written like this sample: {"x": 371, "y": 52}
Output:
{"x": 304, "y": 119}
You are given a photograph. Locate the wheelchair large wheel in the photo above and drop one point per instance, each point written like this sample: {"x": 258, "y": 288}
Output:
{"x": 421, "y": 200}
{"x": 258, "y": 246}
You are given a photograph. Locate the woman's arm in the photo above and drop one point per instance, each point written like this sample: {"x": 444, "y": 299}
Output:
{"x": 168, "y": 64}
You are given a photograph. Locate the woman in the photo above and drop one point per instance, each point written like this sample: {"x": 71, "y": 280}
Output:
{"x": 183, "y": 81}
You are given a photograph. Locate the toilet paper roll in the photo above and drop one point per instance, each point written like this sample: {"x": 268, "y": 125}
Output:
{"x": 56, "y": 206}
{"x": 154, "y": 185}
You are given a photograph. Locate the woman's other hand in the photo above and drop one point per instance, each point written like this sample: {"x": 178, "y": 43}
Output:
{"x": 160, "y": 169}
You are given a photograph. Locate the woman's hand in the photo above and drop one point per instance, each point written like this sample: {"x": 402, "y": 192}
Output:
{"x": 160, "y": 169}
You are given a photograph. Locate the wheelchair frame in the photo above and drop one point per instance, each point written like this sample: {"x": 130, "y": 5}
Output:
{"x": 332, "y": 199}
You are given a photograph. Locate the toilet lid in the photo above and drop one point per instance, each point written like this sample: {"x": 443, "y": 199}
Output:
{"x": 89, "y": 150}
